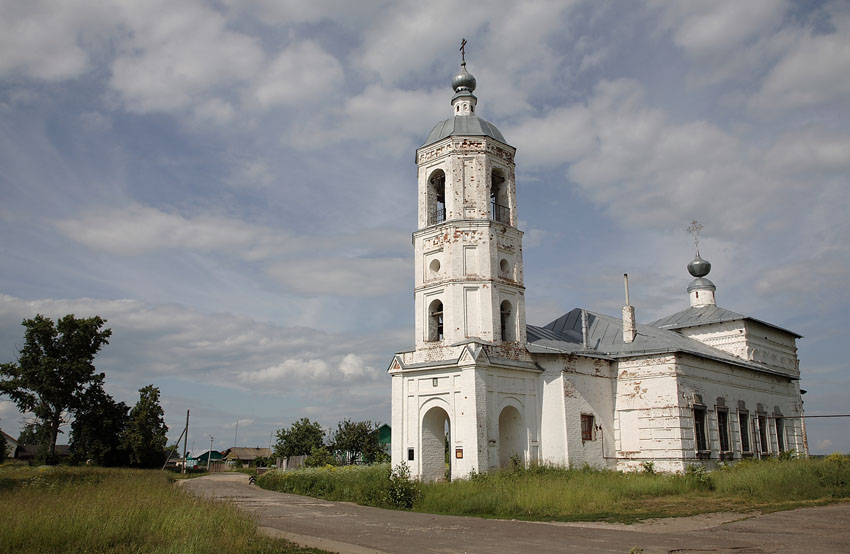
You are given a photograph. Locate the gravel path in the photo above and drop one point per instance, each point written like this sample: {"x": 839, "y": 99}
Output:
{"x": 351, "y": 529}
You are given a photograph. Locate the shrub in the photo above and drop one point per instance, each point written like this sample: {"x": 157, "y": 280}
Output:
{"x": 320, "y": 457}
{"x": 403, "y": 491}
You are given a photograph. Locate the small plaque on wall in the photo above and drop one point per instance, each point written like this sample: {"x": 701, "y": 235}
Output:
{"x": 459, "y": 453}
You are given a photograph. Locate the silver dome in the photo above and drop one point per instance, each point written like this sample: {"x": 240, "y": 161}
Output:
{"x": 699, "y": 267}
{"x": 463, "y": 80}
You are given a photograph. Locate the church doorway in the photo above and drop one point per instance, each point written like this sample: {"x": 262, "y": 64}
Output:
{"x": 512, "y": 436}
{"x": 436, "y": 438}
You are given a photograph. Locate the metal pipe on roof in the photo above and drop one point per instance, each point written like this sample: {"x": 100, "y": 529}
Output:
{"x": 584, "y": 329}
{"x": 626, "y": 282}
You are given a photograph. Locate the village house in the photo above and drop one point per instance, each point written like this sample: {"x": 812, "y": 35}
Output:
{"x": 701, "y": 386}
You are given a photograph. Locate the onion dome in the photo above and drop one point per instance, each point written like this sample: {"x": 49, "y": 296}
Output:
{"x": 699, "y": 267}
{"x": 463, "y": 80}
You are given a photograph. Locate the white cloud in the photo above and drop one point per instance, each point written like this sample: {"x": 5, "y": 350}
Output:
{"x": 344, "y": 276}
{"x": 43, "y": 40}
{"x": 175, "y": 55}
{"x": 303, "y": 74}
{"x": 814, "y": 71}
{"x": 137, "y": 229}
{"x": 726, "y": 39}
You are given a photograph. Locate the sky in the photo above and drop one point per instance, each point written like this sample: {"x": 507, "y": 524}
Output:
{"x": 232, "y": 185}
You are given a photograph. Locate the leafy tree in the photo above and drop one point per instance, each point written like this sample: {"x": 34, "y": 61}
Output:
{"x": 54, "y": 369}
{"x": 144, "y": 437}
{"x": 299, "y": 439}
{"x": 97, "y": 429}
{"x": 320, "y": 457}
{"x": 357, "y": 441}
{"x": 32, "y": 433}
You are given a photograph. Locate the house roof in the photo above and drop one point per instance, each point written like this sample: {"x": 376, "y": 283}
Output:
{"x": 605, "y": 340}
{"x": 247, "y": 454}
{"x": 693, "y": 317}
{"x": 10, "y": 440}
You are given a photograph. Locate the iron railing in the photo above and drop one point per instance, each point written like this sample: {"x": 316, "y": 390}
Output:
{"x": 500, "y": 213}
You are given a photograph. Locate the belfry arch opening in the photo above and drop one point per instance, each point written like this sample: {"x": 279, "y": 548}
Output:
{"x": 513, "y": 440}
{"x": 499, "y": 204}
{"x": 436, "y": 438}
{"x": 507, "y": 317}
{"x": 435, "y": 321}
{"x": 437, "y": 197}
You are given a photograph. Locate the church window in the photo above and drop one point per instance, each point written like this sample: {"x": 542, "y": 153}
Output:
{"x": 723, "y": 429}
{"x": 587, "y": 427}
{"x": 499, "y": 209}
{"x": 744, "y": 425}
{"x": 780, "y": 434}
{"x": 435, "y": 321}
{"x": 761, "y": 420}
{"x": 437, "y": 197}
{"x": 409, "y": 454}
{"x": 508, "y": 326}
{"x": 699, "y": 429}
{"x": 434, "y": 266}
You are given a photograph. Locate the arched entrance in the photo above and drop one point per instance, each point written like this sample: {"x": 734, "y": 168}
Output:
{"x": 513, "y": 439}
{"x": 436, "y": 432}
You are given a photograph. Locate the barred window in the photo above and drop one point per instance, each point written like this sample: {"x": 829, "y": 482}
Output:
{"x": 587, "y": 427}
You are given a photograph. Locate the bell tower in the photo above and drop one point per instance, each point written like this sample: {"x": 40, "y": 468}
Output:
{"x": 468, "y": 391}
{"x": 468, "y": 250}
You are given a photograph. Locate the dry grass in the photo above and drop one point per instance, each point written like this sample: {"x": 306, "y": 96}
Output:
{"x": 547, "y": 493}
{"x": 93, "y": 510}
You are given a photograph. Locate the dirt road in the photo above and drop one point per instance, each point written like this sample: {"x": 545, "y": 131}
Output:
{"x": 351, "y": 529}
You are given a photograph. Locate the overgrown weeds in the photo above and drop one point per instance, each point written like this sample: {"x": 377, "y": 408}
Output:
{"x": 77, "y": 510}
{"x": 552, "y": 493}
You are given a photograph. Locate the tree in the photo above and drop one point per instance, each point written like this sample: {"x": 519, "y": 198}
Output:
{"x": 98, "y": 428}
{"x": 299, "y": 439}
{"x": 32, "y": 433}
{"x": 54, "y": 369}
{"x": 357, "y": 440}
{"x": 144, "y": 437}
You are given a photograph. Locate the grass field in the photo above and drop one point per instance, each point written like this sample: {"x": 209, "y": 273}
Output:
{"x": 544, "y": 493}
{"x": 96, "y": 510}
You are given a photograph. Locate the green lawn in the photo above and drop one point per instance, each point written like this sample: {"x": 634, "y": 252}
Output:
{"x": 96, "y": 510}
{"x": 559, "y": 494}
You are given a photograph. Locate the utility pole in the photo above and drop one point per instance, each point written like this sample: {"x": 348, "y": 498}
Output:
{"x": 236, "y": 433}
{"x": 209, "y": 454}
{"x": 185, "y": 438}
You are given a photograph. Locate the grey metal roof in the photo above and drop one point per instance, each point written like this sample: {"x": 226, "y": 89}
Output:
{"x": 693, "y": 317}
{"x": 605, "y": 340}
{"x": 463, "y": 125}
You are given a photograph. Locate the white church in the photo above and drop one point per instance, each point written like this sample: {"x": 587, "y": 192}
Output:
{"x": 700, "y": 386}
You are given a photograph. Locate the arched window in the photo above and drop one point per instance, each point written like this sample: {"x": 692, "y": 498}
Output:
{"x": 507, "y": 321}
{"x": 435, "y": 321}
{"x": 437, "y": 197}
{"x": 499, "y": 209}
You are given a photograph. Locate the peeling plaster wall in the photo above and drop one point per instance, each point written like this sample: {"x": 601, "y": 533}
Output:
{"x": 752, "y": 341}
{"x": 739, "y": 389}
{"x": 647, "y": 421}
{"x": 588, "y": 390}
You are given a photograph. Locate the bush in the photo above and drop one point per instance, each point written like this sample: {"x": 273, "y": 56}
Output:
{"x": 362, "y": 484}
{"x": 320, "y": 457}
{"x": 403, "y": 491}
